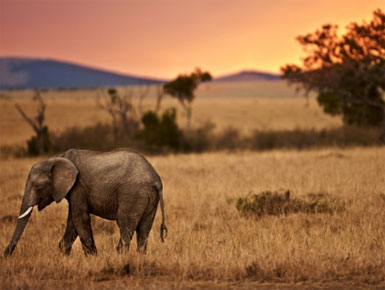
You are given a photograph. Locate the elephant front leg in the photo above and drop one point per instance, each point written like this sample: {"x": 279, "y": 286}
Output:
{"x": 69, "y": 236}
{"x": 82, "y": 223}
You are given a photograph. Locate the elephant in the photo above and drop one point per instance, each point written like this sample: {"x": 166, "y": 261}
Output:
{"x": 119, "y": 185}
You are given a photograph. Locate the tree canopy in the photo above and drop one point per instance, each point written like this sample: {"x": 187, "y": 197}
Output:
{"x": 183, "y": 88}
{"x": 347, "y": 71}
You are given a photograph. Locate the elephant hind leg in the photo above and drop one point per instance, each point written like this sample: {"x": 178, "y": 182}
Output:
{"x": 143, "y": 230}
{"x": 127, "y": 225}
{"x": 132, "y": 207}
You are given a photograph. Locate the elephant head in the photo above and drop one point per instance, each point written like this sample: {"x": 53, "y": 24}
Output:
{"x": 48, "y": 181}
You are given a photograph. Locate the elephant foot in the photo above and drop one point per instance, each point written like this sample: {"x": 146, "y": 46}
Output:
{"x": 61, "y": 245}
{"x": 142, "y": 249}
{"x": 8, "y": 251}
{"x": 90, "y": 250}
{"x": 91, "y": 253}
{"x": 64, "y": 249}
{"x": 121, "y": 248}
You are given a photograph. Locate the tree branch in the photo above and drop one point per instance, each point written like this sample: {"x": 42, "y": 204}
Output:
{"x": 29, "y": 120}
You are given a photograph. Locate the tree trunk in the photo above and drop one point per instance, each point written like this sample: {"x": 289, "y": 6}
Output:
{"x": 124, "y": 125}
{"x": 37, "y": 122}
{"x": 383, "y": 125}
{"x": 40, "y": 141}
{"x": 115, "y": 128}
{"x": 188, "y": 115}
{"x": 159, "y": 98}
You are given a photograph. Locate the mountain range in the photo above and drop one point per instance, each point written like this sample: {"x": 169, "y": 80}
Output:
{"x": 25, "y": 73}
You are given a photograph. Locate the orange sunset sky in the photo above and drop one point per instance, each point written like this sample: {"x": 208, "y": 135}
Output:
{"x": 161, "y": 38}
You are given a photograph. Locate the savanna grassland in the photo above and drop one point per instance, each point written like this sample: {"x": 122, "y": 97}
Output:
{"x": 244, "y": 106}
{"x": 211, "y": 244}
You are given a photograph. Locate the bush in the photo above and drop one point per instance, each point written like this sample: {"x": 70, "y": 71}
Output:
{"x": 12, "y": 150}
{"x": 279, "y": 203}
{"x": 229, "y": 139}
{"x": 161, "y": 133}
{"x": 301, "y": 139}
{"x": 200, "y": 139}
{"x": 97, "y": 137}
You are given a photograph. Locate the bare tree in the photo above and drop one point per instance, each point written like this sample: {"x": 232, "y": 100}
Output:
{"x": 159, "y": 97}
{"x": 36, "y": 123}
{"x": 108, "y": 103}
{"x": 140, "y": 93}
{"x": 125, "y": 109}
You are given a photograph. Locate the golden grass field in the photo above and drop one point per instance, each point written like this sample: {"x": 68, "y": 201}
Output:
{"x": 210, "y": 244}
{"x": 217, "y": 103}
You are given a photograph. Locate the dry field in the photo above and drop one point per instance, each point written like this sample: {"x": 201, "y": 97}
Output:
{"x": 240, "y": 106}
{"x": 210, "y": 244}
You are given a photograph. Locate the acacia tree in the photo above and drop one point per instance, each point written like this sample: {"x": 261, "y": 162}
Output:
{"x": 38, "y": 144}
{"x": 183, "y": 88}
{"x": 347, "y": 72}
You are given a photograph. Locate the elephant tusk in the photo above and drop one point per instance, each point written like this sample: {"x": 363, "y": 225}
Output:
{"x": 26, "y": 212}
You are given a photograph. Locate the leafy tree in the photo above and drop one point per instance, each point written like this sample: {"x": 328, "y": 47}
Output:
{"x": 183, "y": 88}
{"x": 346, "y": 71}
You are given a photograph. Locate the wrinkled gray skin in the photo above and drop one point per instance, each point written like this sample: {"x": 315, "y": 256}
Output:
{"x": 119, "y": 185}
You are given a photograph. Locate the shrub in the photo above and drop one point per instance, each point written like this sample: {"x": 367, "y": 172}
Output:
{"x": 301, "y": 139}
{"x": 279, "y": 203}
{"x": 161, "y": 132}
{"x": 200, "y": 139}
{"x": 12, "y": 150}
{"x": 230, "y": 139}
{"x": 33, "y": 143}
{"x": 96, "y": 137}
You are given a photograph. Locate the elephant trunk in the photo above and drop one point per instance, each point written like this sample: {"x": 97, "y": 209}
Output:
{"x": 25, "y": 213}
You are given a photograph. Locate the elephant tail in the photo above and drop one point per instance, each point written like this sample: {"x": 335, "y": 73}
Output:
{"x": 163, "y": 228}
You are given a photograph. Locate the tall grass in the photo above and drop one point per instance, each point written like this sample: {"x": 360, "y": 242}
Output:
{"x": 210, "y": 242}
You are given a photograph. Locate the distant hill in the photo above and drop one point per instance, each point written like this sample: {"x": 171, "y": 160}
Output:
{"x": 248, "y": 75}
{"x": 24, "y": 73}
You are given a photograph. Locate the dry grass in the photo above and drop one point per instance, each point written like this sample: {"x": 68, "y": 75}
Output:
{"x": 244, "y": 106}
{"x": 210, "y": 244}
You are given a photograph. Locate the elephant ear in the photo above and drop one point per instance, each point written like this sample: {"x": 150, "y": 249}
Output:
{"x": 64, "y": 174}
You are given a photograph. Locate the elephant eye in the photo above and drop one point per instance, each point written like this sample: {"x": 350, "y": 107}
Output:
{"x": 39, "y": 186}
